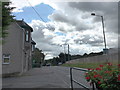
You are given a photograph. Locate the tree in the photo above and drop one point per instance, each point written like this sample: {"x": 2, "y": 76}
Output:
{"x": 7, "y": 17}
{"x": 38, "y": 57}
{"x": 62, "y": 57}
{"x": 55, "y": 61}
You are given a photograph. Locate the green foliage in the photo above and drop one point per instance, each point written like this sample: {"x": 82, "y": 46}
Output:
{"x": 62, "y": 57}
{"x": 38, "y": 57}
{"x": 105, "y": 76}
{"x": 7, "y": 18}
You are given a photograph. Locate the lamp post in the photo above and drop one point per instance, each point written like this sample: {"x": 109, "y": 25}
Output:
{"x": 93, "y": 14}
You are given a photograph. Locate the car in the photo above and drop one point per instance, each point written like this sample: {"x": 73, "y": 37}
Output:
{"x": 59, "y": 63}
{"x": 48, "y": 64}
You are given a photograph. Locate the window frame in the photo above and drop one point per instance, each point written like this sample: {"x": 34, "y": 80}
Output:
{"x": 6, "y": 56}
{"x": 27, "y": 36}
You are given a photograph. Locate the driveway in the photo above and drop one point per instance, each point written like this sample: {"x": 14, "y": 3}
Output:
{"x": 45, "y": 77}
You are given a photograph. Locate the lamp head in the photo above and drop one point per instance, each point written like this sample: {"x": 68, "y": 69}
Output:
{"x": 93, "y": 14}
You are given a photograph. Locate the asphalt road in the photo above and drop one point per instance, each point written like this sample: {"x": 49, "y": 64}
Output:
{"x": 45, "y": 77}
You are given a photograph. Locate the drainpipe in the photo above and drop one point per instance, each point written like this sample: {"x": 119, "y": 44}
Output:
{"x": 23, "y": 52}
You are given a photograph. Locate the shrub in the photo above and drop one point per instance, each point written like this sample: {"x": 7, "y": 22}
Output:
{"x": 105, "y": 76}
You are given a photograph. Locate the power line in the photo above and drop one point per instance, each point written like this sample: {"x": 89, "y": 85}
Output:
{"x": 35, "y": 11}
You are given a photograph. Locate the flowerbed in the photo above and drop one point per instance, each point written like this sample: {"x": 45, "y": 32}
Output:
{"x": 106, "y": 77}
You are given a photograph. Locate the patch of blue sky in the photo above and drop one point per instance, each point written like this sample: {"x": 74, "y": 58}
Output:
{"x": 60, "y": 34}
{"x": 29, "y": 14}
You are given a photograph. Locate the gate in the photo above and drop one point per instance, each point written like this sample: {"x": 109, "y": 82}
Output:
{"x": 80, "y": 84}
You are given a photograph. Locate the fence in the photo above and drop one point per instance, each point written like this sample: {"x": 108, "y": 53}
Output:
{"x": 73, "y": 80}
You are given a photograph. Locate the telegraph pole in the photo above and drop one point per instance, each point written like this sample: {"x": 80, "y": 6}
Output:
{"x": 68, "y": 53}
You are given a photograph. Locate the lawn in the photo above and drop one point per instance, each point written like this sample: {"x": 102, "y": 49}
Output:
{"x": 85, "y": 65}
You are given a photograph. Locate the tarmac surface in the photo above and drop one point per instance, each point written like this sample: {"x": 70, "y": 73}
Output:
{"x": 46, "y": 77}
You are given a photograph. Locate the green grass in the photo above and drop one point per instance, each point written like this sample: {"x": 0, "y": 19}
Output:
{"x": 85, "y": 65}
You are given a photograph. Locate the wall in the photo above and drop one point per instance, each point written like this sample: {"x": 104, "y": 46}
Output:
{"x": 111, "y": 57}
{"x": 13, "y": 45}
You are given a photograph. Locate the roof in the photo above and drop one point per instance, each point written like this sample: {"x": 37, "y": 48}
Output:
{"x": 22, "y": 24}
{"x": 33, "y": 42}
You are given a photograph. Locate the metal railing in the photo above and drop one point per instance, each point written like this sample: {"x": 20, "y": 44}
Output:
{"x": 72, "y": 80}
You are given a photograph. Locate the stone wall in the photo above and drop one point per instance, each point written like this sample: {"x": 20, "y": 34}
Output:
{"x": 111, "y": 57}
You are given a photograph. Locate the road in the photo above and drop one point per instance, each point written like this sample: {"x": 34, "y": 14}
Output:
{"x": 45, "y": 77}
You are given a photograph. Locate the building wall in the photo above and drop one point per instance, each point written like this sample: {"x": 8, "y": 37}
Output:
{"x": 112, "y": 56}
{"x": 14, "y": 46}
{"x": 27, "y": 62}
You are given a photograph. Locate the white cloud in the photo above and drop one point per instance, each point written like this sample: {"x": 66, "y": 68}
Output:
{"x": 74, "y": 25}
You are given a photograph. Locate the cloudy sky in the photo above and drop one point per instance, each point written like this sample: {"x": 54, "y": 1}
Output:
{"x": 57, "y": 23}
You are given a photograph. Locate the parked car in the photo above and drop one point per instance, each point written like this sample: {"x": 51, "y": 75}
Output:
{"x": 59, "y": 63}
{"x": 48, "y": 64}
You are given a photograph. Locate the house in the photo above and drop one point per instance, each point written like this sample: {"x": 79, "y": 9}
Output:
{"x": 17, "y": 49}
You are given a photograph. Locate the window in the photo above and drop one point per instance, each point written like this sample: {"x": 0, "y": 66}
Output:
{"x": 32, "y": 47}
{"x": 27, "y": 36}
{"x": 6, "y": 58}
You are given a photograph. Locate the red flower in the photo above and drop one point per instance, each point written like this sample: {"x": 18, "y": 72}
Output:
{"x": 110, "y": 64}
{"x": 119, "y": 65}
{"x": 100, "y": 76}
{"x": 99, "y": 82}
{"x": 86, "y": 73}
{"x": 107, "y": 71}
{"x": 87, "y": 78}
{"x": 95, "y": 72}
{"x": 98, "y": 68}
{"x": 101, "y": 65}
{"x": 89, "y": 68}
{"x": 95, "y": 76}
{"x": 118, "y": 77}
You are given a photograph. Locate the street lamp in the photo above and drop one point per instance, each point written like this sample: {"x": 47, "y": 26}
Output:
{"x": 93, "y": 14}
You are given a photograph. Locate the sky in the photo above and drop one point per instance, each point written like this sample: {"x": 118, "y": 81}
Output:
{"x": 65, "y": 22}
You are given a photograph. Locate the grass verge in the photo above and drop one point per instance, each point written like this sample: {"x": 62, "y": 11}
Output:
{"x": 86, "y": 65}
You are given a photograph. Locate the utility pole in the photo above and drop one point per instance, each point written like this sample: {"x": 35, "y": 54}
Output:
{"x": 64, "y": 53}
{"x": 68, "y": 53}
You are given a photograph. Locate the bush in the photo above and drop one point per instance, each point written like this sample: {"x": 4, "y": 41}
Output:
{"x": 105, "y": 76}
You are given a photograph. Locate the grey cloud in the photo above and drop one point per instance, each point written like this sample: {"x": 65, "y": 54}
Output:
{"x": 107, "y": 9}
{"x": 58, "y": 16}
{"x": 81, "y": 26}
{"x": 112, "y": 26}
{"x": 50, "y": 27}
{"x": 62, "y": 29}
{"x": 69, "y": 20}
{"x": 86, "y": 39}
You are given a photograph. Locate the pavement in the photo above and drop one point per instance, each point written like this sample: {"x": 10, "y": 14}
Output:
{"x": 45, "y": 77}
